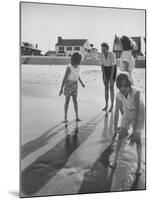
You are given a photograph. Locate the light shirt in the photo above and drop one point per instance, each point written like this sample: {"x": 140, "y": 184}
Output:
{"x": 74, "y": 73}
{"x": 129, "y": 102}
{"x": 108, "y": 61}
{"x": 127, "y": 57}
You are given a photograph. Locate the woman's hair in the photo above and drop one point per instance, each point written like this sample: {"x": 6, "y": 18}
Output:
{"x": 76, "y": 58}
{"x": 126, "y": 43}
{"x": 121, "y": 77}
{"x": 105, "y": 45}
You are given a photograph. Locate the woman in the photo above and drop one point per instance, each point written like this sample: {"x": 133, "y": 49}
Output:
{"x": 127, "y": 61}
{"x": 108, "y": 64}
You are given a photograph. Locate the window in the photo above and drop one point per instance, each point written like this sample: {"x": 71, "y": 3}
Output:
{"x": 77, "y": 48}
{"x": 61, "y": 48}
{"x": 69, "y": 48}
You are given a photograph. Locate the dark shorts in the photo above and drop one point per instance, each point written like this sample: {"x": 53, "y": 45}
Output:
{"x": 107, "y": 71}
{"x": 71, "y": 88}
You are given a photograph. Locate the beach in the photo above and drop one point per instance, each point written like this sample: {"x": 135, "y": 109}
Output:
{"x": 50, "y": 165}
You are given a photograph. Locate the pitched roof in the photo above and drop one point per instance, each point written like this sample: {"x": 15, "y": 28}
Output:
{"x": 30, "y": 46}
{"x": 71, "y": 42}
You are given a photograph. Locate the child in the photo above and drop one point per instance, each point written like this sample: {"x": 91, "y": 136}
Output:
{"x": 127, "y": 61}
{"x": 70, "y": 84}
{"x": 132, "y": 109}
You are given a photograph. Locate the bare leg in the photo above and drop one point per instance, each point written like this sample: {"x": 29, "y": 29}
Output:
{"x": 66, "y": 107}
{"x": 112, "y": 96}
{"x": 139, "y": 155}
{"x": 106, "y": 95}
{"x": 119, "y": 143}
{"x": 76, "y": 107}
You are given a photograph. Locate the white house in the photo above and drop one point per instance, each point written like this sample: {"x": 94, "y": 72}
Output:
{"x": 66, "y": 47}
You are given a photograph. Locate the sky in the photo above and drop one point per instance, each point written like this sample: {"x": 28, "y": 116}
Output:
{"x": 43, "y": 23}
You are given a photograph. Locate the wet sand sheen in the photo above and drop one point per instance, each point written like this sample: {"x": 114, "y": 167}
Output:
{"x": 52, "y": 165}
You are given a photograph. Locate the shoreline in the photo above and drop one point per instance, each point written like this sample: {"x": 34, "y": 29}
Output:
{"x": 55, "y": 60}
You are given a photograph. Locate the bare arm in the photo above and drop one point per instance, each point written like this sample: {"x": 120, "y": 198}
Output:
{"x": 113, "y": 65}
{"x": 137, "y": 106}
{"x": 102, "y": 67}
{"x": 116, "y": 115}
{"x": 81, "y": 82}
{"x": 64, "y": 79}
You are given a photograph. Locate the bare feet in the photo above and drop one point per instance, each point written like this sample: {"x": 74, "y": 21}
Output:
{"x": 111, "y": 108}
{"x": 65, "y": 121}
{"x": 105, "y": 108}
{"x": 78, "y": 119}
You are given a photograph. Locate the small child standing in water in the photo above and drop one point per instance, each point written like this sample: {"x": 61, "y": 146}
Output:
{"x": 129, "y": 103}
{"x": 70, "y": 84}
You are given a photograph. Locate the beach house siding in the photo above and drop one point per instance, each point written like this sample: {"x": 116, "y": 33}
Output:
{"x": 66, "y": 47}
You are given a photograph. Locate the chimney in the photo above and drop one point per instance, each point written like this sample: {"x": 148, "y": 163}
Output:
{"x": 36, "y": 46}
{"x": 59, "y": 39}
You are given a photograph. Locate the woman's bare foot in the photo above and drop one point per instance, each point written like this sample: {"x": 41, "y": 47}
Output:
{"x": 105, "y": 108}
{"x": 111, "y": 108}
{"x": 65, "y": 121}
{"x": 78, "y": 119}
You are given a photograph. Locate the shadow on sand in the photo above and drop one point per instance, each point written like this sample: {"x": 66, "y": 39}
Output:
{"x": 35, "y": 176}
{"x": 39, "y": 142}
{"x": 99, "y": 178}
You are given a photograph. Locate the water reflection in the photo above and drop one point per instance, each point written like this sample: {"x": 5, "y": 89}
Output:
{"x": 72, "y": 136}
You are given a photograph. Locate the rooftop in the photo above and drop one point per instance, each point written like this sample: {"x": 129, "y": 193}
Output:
{"x": 71, "y": 42}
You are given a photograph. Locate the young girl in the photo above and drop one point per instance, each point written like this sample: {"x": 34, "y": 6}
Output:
{"x": 70, "y": 84}
{"x": 132, "y": 109}
{"x": 127, "y": 61}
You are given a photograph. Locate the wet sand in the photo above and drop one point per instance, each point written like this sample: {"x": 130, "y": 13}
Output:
{"x": 51, "y": 162}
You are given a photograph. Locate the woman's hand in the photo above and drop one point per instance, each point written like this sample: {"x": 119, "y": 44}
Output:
{"x": 132, "y": 139}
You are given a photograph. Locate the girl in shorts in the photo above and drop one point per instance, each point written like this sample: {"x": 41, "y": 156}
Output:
{"x": 70, "y": 84}
{"x": 129, "y": 103}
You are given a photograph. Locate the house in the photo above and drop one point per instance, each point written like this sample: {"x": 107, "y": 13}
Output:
{"x": 66, "y": 47}
{"x": 50, "y": 53}
{"x": 28, "y": 49}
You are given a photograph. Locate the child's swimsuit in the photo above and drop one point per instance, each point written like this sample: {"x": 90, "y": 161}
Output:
{"x": 71, "y": 84}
